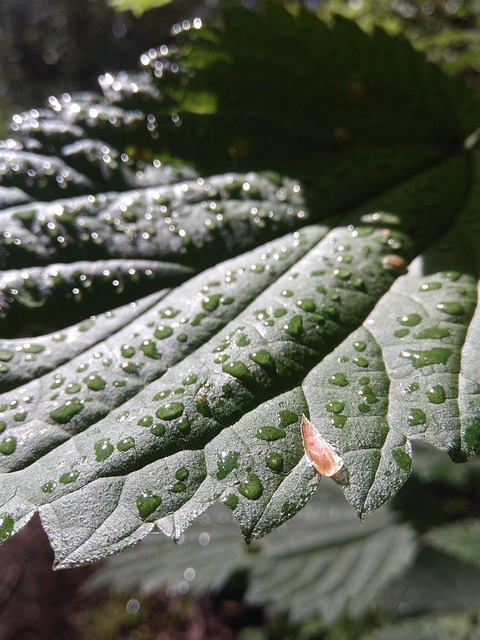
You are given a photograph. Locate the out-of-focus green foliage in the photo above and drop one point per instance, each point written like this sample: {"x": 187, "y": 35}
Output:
{"x": 137, "y": 6}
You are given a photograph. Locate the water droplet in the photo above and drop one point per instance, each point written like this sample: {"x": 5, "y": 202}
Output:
{"x": 170, "y": 411}
{"x": 275, "y": 462}
{"x": 182, "y": 337}
{"x": 5, "y": 355}
{"x": 127, "y": 351}
{"x": 361, "y": 362}
{"x": 242, "y": 340}
{"x": 147, "y": 503}
{"x": 430, "y": 286}
{"x": 145, "y": 421}
{"x": 231, "y": 501}
{"x": 452, "y": 275}
{"x": 270, "y": 433}
{"x": 402, "y": 458}
{"x": 103, "y": 449}
{"x": 307, "y": 304}
{"x": 263, "y": 358}
{"x": 339, "y": 379}
{"x": 452, "y": 308}
{"x": 8, "y": 445}
{"x": 369, "y": 395}
{"x": 149, "y": 348}
{"x": 73, "y": 387}
{"x": 401, "y": 333}
{"x": 342, "y": 274}
{"x": 286, "y": 293}
{"x": 294, "y": 327}
{"x": 238, "y": 370}
{"x": 410, "y": 320}
{"x": 95, "y": 382}
{"x": 184, "y": 425}
{"x": 158, "y": 430}
{"x": 416, "y": 417}
{"x": 364, "y": 408}
{"x": 227, "y": 461}
{"x": 66, "y": 412}
{"x": 191, "y": 379}
{"x": 182, "y": 474}
{"x": 360, "y": 345}
{"x": 125, "y": 444}
{"x": 412, "y": 387}
{"x": 6, "y": 526}
{"x": 48, "y": 487}
{"x": 68, "y": 478}
{"x": 436, "y": 355}
{"x": 178, "y": 487}
{"x": 338, "y": 420}
{"x": 210, "y": 303}
{"x": 251, "y": 488}
{"x": 436, "y": 394}
{"x": 278, "y": 313}
{"x": 162, "y": 332}
{"x": 335, "y": 407}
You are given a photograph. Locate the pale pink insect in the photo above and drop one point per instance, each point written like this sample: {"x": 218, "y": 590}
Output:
{"x": 320, "y": 453}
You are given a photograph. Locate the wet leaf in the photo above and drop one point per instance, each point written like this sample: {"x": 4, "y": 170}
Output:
{"x": 203, "y": 253}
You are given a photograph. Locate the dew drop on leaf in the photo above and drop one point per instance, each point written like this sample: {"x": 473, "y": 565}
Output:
{"x": 251, "y": 488}
{"x": 436, "y": 394}
{"x": 270, "y": 434}
{"x": 103, "y": 449}
{"x": 147, "y": 503}
{"x": 338, "y": 379}
{"x": 8, "y": 445}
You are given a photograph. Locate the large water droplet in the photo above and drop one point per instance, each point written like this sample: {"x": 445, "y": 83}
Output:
{"x": 8, "y": 445}
{"x": 66, "y": 412}
{"x": 334, "y": 406}
{"x": 274, "y": 461}
{"x": 294, "y": 327}
{"x": 103, "y": 449}
{"x": 410, "y": 320}
{"x": 436, "y": 394}
{"x": 338, "y": 379}
{"x": 270, "y": 433}
{"x": 170, "y": 411}
{"x": 433, "y": 333}
{"x": 251, "y": 488}
{"x": 95, "y": 382}
{"x": 403, "y": 460}
{"x": 238, "y": 370}
{"x": 436, "y": 355}
{"x": 125, "y": 444}
{"x": 416, "y": 417}
{"x": 452, "y": 308}
{"x": 147, "y": 503}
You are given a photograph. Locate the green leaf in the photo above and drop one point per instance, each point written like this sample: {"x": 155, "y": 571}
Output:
{"x": 164, "y": 335}
{"x": 460, "y": 539}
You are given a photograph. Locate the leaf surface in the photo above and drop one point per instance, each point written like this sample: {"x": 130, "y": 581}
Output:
{"x": 164, "y": 332}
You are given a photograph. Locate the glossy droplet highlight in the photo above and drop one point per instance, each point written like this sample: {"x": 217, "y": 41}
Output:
{"x": 170, "y": 411}
{"x": 338, "y": 379}
{"x": 359, "y": 345}
{"x": 451, "y": 308}
{"x": 66, "y": 412}
{"x": 410, "y": 320}
{"x": 251, "y": 488}
{"x": 419, "y": 359}
{"x": 8, "y": 445}
{"x": 275, "y": 462}
{"x": 320, "y": 453}
{"x": 416, "y": 417}
{"x": 147, "y": 503}
{"x": 103, "y": 449}
{"x": 335, "y": 407}
{"x": 436, "y": 394}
